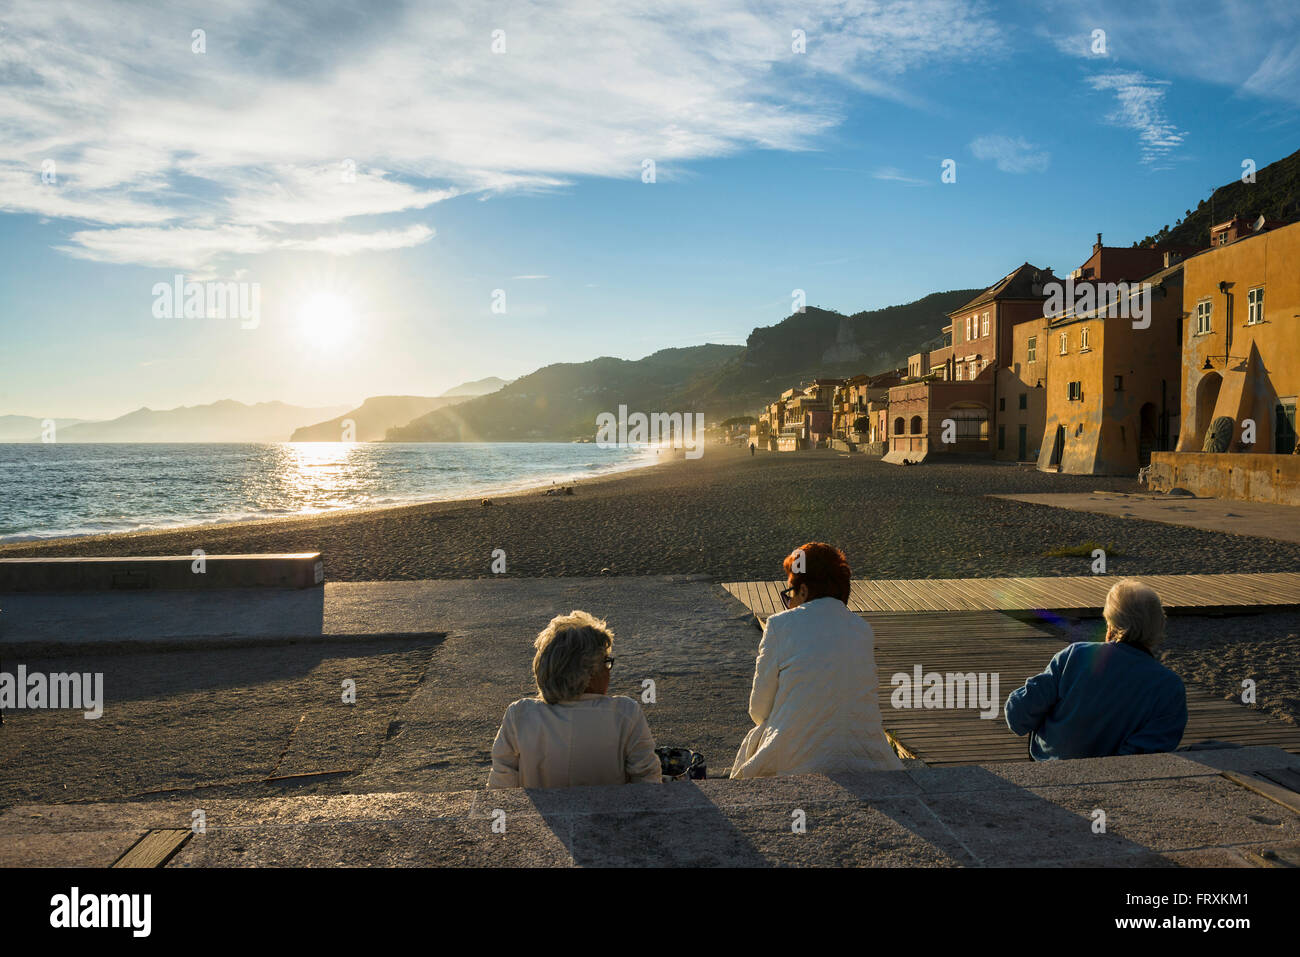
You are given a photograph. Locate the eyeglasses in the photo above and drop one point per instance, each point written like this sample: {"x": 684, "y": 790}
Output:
{"x": 786, "y": 595}
{"x": 609, "y": 662}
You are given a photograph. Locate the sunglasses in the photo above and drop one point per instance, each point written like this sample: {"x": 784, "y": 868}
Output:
{"x": 786, "y": 595}
{"x": 609, "y": 662}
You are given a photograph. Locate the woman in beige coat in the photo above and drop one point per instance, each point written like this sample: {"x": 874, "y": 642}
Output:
{"x": 574, "y": 733}
{"x": 815, "y": 701}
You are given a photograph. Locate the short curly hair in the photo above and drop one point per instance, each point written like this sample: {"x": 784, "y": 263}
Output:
{"x": 825, "y": 571}
{"x": 569, "y": 649}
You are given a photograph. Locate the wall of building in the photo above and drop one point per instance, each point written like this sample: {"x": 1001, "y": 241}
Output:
{"x": 1241, "y": 388}
{"x": 1234, "y": 475}
{"x": 1022, "y": 378}
{"x": 1116, "y": 424}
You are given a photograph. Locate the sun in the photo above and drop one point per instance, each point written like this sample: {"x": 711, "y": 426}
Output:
{"x": 326, "y": 318}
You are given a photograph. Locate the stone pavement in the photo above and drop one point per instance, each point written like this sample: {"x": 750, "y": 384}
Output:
{"x": 1260, "y": 519}
{"x": 1160, "y": 811}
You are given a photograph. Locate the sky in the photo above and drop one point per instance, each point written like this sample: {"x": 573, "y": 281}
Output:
{"x": 424, "y": 194}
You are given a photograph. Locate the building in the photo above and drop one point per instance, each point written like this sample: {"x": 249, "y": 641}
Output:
{"x": 1240, "y": 370}
{"x": 952, "y": 408}
{"x": 1109, "y": 338}
{"x": 1241, "y": 344}
{"x": 1022, "y": 395}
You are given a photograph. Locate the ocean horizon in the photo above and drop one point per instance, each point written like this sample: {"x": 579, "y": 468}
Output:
{"x": 64, "y": 490}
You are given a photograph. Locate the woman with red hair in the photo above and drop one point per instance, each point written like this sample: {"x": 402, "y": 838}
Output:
{"x": 814, "y": 703}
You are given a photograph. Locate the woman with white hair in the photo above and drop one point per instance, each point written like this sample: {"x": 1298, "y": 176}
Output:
{"x": 1102, "y": 698}
{"x": 573, "y": 733}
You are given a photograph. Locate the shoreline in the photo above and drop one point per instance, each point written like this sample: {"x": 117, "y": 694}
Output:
{"x": 496, "y": 491}
{"x": 728, "y": 516}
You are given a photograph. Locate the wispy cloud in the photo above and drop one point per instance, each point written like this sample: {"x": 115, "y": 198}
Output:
{"x": 299, "y": 118}
{"x": 531, "y": 277}
{"x": 1141, "y": 107}
{"x": 891, "y": 175}
{"x": 1011, "y": 155}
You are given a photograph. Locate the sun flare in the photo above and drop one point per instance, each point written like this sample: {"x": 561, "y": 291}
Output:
{"x": 326, "y": 318}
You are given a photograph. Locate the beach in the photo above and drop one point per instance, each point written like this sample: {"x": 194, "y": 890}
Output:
{"x": 645, "y": 549}
{"x": 729, "y": 516}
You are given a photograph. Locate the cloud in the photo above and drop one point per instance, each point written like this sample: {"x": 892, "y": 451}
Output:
{"x": 1010, "y": 155}
{"x": 531, "y": 277}
{"x": 1141, "y": 107}
{"x": 227, "y": 149}
{"x": 891, "y": 175}
{"x": 1214, "y": 43}
{"x": 197, "y": 249}
{"x": 348, "y": 244}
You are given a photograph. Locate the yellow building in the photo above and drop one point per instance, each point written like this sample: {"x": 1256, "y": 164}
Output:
{"x": 1022, "y": 395}
{"x": 1241, "y": 345}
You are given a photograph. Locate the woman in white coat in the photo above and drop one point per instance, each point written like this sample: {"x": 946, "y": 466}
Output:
{"x": 815, "y": 700}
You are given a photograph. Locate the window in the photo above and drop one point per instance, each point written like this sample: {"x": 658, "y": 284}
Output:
{"x": 959, "y": 368}
{"x": 971, "y": 423}
{"x": 916, "y": 425}
{"x": 1024, "y": 400}
{"x": 1255, "y": 306}
{"x": 1083, "y": 339}
{"x": 985, "y": 330}
{"x": 1002, "y": 404}
{"x": 1119, "y": 383}
{"x": 1033, "y": 349}
{"x": 1065, "y": 343}
{"x": 1203, "y": 310}
{"x": 974, "y": 369}
{"x": 898, "y": 425}
{"x": 1076, "y": 391}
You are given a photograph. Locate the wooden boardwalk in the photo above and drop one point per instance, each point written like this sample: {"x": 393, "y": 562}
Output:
{"x": 995, "y": 643}
{"x": 948, "y": 626}
{"x": 1079, "y": 595}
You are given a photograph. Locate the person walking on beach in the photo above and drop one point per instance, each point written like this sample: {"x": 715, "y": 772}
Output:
{"x": 814, "y": 702}
{"x": 1099, "y": 698}
{"x": 574, "y": 732}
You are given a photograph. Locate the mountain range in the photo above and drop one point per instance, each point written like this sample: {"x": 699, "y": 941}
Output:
{"x": 371, "y": 420}
{"x": 223, "y": 421}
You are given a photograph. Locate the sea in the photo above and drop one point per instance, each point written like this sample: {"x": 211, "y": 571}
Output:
{"x": 68, "y": 489}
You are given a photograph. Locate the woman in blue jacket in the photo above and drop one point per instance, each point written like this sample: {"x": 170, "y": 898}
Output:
{"x": 1101, "y": 698}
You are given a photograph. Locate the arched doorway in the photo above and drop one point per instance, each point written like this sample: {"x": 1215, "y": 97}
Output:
{"x": 1207, "y": 396}
{"x": 1147, "y": 434}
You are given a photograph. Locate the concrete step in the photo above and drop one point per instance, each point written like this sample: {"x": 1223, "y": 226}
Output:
{"x": 1160, "y": 810}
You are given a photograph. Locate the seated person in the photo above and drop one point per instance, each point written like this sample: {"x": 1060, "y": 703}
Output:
{"x": 574, "y": 733}
{"x": 1102, "y": 698}
{"x": 814, "y": 702}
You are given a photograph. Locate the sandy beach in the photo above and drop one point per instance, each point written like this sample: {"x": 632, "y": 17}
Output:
{"x": 729, "y": 516}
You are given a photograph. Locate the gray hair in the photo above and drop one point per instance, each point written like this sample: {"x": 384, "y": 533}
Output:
{"x": 569, "y": 650}
{"x": 1134, "y": 613}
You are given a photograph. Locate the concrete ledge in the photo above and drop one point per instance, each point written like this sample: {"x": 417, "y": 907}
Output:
{"x": 22, "y": 575}
{"x": 1162, "y": 810}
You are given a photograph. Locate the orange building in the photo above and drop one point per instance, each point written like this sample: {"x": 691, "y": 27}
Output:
{"x": 1022, "y": 396}
{"x": 1241, "y": 345}
{"x": 953, "y": 409}
{"x": 1111, "y": 346}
